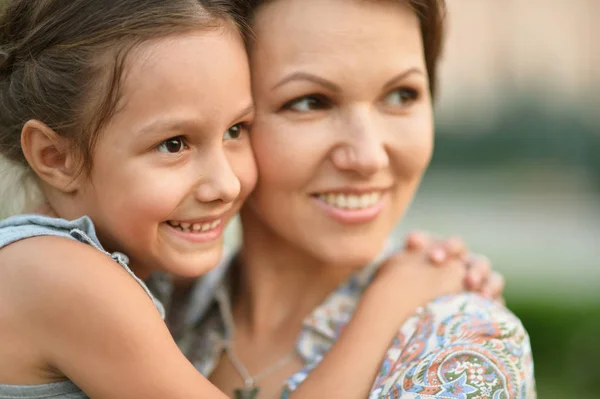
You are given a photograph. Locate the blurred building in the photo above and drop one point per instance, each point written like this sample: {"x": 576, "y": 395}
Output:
{"x": 516, "y": 170}
{"x": 500, "y": 49}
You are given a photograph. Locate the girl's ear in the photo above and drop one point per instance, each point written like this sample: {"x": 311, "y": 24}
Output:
{"x": 50, "y": 156}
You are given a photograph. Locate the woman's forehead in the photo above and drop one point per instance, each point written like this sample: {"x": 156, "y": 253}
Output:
{"x": 323, "y": 25}
{"x": 333, "y": 33}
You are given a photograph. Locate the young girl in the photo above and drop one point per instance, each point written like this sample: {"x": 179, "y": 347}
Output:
{"x": 132, "y": 117}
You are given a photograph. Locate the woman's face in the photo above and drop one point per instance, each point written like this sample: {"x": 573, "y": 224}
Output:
{"x": 343, "y": 129}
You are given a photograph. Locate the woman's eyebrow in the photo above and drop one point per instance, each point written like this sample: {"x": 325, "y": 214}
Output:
{"x": 401, "y": 76}
{"x": 300, "y": 76}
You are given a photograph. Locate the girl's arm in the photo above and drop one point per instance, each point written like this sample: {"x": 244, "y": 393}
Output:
{"x": 94, "y": 324}
{"x": 407, "y": 281}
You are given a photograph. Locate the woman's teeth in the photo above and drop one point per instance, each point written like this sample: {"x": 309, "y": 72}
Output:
{"x": 194, "y": 227}
{"x": 351, "y": 201}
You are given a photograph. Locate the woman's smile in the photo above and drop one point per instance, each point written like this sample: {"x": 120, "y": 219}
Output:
{"x": 346, "y": 206}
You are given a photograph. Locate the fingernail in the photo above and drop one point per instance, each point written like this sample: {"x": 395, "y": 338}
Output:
{"x": 438, "y": 255}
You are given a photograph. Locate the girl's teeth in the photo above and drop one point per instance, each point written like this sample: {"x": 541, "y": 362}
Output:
{"x": 195, "y": 227}
{"x": 351, "y": 201}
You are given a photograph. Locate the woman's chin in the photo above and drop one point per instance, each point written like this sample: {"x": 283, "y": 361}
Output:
{"x": 351, "y": 256}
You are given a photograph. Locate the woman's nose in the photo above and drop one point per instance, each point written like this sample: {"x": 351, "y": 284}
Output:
{"x": 362, "y": 149}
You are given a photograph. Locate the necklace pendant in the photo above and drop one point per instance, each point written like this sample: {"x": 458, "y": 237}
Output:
{"x": 246, "y": 393}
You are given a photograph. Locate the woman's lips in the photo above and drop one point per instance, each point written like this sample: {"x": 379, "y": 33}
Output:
{"x": 352, "y": 208}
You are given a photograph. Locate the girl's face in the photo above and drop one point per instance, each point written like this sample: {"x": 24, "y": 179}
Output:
{"x": 343, "y": 129}
{"x": 174, "y": 164}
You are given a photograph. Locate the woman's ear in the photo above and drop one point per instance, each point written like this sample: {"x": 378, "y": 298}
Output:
{"x": 50, "y": 156}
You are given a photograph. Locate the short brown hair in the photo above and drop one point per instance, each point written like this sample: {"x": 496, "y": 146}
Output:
{"x": 61, "y": 61}
{"x": 431, "y": 14}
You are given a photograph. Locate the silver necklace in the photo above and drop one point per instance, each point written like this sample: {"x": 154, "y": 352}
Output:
{"x": 250, "y": 390}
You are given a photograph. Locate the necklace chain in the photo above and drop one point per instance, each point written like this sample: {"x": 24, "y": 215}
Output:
{"x": 250, "y": 380}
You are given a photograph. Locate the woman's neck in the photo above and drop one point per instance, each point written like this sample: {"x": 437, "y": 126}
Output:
{"x": 279, "y": 284}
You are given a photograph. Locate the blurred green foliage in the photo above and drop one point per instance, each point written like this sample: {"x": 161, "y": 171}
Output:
{"x": 525, "y": 132}
{"x": 566, "y": 348}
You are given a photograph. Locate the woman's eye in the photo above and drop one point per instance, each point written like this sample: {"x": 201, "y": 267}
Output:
{"x": 401, "y": 97}
{"x": 306, "y": 104}
{"x": 235, "y": 132}
{"x": 172, "y": 146}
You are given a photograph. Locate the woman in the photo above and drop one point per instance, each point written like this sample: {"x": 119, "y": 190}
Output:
{"x": 342, "y": 135}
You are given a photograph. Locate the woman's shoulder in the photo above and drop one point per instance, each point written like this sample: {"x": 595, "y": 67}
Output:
{"x": 475, "y": 320}
{"x": 460, "y": 342}
{"x": 466, "y": 318}
{"x": 471, "y": 306}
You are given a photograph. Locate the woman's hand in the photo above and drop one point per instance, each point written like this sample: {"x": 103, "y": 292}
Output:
{"x": 479, "y": 278}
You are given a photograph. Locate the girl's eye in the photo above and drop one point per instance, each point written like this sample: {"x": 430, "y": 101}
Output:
{"x": 173, "y": 145}
{"x": 307, "y": 103}
{"x": 235, "y": 132}
{"x": 401, "y": 97}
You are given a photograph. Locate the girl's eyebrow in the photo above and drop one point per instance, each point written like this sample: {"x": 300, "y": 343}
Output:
{"x": 176, "y": 123}
{"x": 168, "y": 124}
{"x": 245, "y": 112}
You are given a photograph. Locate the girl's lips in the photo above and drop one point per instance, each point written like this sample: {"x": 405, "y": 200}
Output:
{"x": 352, "y": 209}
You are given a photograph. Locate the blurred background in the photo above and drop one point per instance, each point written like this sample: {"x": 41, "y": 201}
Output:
{"x": 516, "y": 171}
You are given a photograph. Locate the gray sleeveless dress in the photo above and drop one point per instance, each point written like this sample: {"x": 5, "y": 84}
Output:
{"x": 25, "y": 226}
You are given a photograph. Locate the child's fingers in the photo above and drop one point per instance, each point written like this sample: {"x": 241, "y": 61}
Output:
{"x": 455, "y": 274}
{"x": 418, "y": 240}
{"x": 441, "y": 250}
{"x": 478, "y": 273}
{"x": 494, "y": 287}
{"x": 438, "y": 255}
{"x": 455, "y": 247}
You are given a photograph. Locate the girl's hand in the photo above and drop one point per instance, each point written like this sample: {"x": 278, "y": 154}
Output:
{"x": 480, "y": 277}
{"x": 410, "y": 278}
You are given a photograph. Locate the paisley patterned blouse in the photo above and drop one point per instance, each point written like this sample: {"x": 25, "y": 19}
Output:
{"x": 457, "y": 347}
